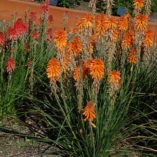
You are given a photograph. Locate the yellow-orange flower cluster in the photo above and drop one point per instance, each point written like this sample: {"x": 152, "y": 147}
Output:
{"x": 132, "y": 57}
{"x": 114, "y": 79}
{"x": 89, "y": 113}
{"x": 138, "y": 4}
{"x": 112, "y": 21}
{"x": 75, "y": 47}
{"x": 53, "y": 69}
{"x": 127, "y": 39}
{"x": 96, "y": 69}
{"x": 76, "y": 75}
{"x": 141, "y": 22}
{"x": 102, "y": 25}
{"x": 65, "y": 63}
{"x": 123, "y": 23}
{"x": 60, "y": 40}
{"x": 85, "y": 22}
{"x": 149, "y": 39}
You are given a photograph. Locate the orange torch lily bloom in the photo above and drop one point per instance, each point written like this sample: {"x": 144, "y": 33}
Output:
{"x": 75, "y": 47}
{"x": 53, "y": 69}
{"x": 76, "y": 74}
{"x": 112, "y": 23}
{"x": 60, "y": 40}
{"x": 138, "y": 4}
{"x": 85, "y": 22}
{"x": 141, "y": 22}
{"x": 96, "y": 69}
{"x": 149, "y": 39}
{"x": 132, "y": 57}
{"x": 89, "y": 113}
{"x": 114, "y": 78}
{"x": 123, "y": 23}
{"x": 127, "y": 39}
{"x": 102, "y": 25}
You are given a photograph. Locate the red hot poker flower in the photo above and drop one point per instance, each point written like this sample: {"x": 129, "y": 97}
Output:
{"x": 149, "y": 39}
{"x": 96, "y": 69}
{"x": 12, "y": 34}
{"x": 20, "y": 27}
{"x": 132, "y": 57}
{"x": 53, "y": 69}
{"x": 45, "y": 7}
{"x": 32, "y": 16}
{"x": 141, "y": 22}
{"x": 10, "y": 66}
{"x": 35, "y": 35}
{"x": 2, "y": 39}
{"x": 89, "y": 113}
{"x": 138, "y": 4}
{"x": 49, "y": 34}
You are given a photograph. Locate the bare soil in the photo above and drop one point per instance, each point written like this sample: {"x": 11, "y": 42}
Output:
{"x": 15, "y": 146}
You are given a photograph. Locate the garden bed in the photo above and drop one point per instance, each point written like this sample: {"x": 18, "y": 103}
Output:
{"x": 88, "y": 91}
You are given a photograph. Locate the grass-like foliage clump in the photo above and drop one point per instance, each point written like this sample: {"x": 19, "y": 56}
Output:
{"x": 90, "y": 90}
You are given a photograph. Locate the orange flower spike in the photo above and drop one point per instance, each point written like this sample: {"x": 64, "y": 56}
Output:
{"x": 123, "y": 23}
{"x": 141, "y": 22}
{"x": 132, "y": 57}
{"x": 102, "y": 24}
{"x": 66, "y": 63}
{"x": 85, "y": 22}
{"x": 89, "y": 113}
{"x": 112, "y": 23}
{"x": 149, "y": 39}
{"x": 127, "y": 40}
{"x": 127, "y": 15}
{"x": 53, "y": 69}
{"x": 138, "y": 4}
{"x": 76, "y": 74}
{"x": 114, "y": 77}
{"x": 75, "y": 46}
{"x": 60, "y": 40}
{"x": 85, "y": 67}
{"x": 88, "y": 21}
{"x": 96, "y": 69}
